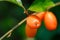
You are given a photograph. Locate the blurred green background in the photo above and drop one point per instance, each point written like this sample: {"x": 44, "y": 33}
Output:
{"x": 11, "y": 14}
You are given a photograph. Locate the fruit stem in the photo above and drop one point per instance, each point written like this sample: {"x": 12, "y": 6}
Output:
{"x": 25, "y": 10}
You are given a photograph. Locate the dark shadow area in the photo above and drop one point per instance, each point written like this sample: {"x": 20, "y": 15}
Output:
{"x": 56, "y": 37}
{"x": 27, "y": 3}
{"x": 55, "y": 1}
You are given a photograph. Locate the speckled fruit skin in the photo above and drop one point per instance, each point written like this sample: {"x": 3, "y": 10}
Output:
{"x": 30, "y": 32}
{"x": 33, "y": 21}
{"x": 41, "y": 15}
{"x": 50, "y": 21}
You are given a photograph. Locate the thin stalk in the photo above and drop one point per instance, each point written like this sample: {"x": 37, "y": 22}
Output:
{"x": 19, "y": 2}
{"x": 58, "y": 3}
{"x": 15, "y": 27}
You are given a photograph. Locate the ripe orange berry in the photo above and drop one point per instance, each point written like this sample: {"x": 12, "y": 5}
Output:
{"x": 33, "y": 21}
{"x": 30, "y": 32}
{"x": 50, "y": 21}
{"x": 41, "y": 15}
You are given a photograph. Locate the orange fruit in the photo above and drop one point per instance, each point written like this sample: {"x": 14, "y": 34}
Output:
{"x": 50, "y": 21}
{"x": 33, "y": 21}
{"x": 41, "y": 15}
{"x": 30, "y": 32}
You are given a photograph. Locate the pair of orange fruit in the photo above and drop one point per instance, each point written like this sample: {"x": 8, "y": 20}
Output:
{"x": 34, "y": 22}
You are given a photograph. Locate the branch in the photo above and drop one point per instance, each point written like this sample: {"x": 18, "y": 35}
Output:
{"x": 16, "y": 26}
{"x": 12, "y": 29}
{"x": 58, "y": 3}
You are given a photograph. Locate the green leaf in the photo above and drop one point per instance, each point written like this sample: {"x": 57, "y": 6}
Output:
{"x": 18, "y": 2}
{"x": 41, "y": 5}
